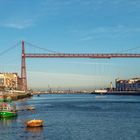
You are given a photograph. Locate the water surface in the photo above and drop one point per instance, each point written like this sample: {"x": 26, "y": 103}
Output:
{"x": 76, "y": 117}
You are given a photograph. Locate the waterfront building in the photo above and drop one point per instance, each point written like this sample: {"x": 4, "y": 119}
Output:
{"x": 9, "y": 81}
{"x": 128, "y": 85}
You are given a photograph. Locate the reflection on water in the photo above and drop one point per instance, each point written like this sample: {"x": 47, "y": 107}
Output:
{"x": 76, "y": 117}
{"x": 100, "y": 96}
{"x": 7, "y": 121}
{"x": 34, "y": 129}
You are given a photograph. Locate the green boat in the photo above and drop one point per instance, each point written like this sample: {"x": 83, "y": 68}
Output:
{"x": 5, "y": 114}
{"x": 1, "y": 100}
{"x": 7, "y": 110}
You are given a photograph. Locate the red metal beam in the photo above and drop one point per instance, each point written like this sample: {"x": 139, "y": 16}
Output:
{"x": 23, "y": 69}
{"x": 79, "y": 55}
{"x": 65, "y": 55}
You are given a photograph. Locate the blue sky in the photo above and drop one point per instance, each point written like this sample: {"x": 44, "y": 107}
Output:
{"x": 76, "y": 26}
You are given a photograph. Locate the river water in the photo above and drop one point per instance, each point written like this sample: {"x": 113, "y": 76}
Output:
{"x": 76, "y": 117}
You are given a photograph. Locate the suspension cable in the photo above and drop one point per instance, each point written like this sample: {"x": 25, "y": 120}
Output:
{"x": 10, "y": 48}
{"x": 130, "y": 49}
{"x": 35, "y": 46}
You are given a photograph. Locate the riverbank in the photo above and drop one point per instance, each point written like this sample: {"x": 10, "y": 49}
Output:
{"x": 119, "y": 93}
{"x": 15, "y": 95}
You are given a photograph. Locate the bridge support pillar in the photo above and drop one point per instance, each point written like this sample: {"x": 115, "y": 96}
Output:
{"x": 23, "y": 69}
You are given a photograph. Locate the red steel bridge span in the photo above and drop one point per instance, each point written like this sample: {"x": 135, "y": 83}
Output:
{"x": 67, "y": 55}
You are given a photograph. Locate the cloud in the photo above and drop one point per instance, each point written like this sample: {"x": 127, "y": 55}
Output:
{"x": 43, "y": 8}
{"x": 94, "y": 3}
{"x": 18, "y": 24}
{"x": 115, "y": 29}
{"x": 19, "y": 14}
{"x": 118, "y": 2}
{"x": 87, "y": 38}
{"x": 107, "y": 31}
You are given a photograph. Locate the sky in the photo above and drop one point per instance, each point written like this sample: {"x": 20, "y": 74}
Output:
{"x": 70, "y": 26}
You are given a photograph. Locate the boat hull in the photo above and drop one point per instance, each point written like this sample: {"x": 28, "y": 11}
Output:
{"x": 34, "y": 123}
{"x": 6, "y": 114}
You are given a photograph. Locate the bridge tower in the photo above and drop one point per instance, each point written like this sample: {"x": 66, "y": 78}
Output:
{"x": 23, "y": 69}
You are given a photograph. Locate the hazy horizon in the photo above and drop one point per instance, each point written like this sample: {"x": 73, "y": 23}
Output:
{"x": 74, "y": 26}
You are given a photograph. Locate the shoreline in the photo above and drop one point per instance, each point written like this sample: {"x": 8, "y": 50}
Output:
{"x": 96, "y": 93}
{"x": 14, "y": 96}
{"x": 136, "y": 93}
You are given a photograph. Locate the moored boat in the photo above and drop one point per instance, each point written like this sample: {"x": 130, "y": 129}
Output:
{"x": 34, "y": 123}
{"x": 5, "y": 114}
{"x": 30, "y": 108}
{"x": 100, "y": 91}
{"x": 1, "y": 98}
{"x": 5, "y": 99}
{"x": 7, "y": 110}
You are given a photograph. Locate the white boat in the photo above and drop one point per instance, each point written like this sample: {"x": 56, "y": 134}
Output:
{"x": 100, "y": 91}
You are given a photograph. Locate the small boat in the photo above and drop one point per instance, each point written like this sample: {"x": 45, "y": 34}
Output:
{"x": 34, "y": 123}
{"x": 5, "y": 114}
{"x": 7, "y": 110}
{"x": 101, "y": 91}
{"x": 3, "y": 98}
{"x": 30, "y": 108}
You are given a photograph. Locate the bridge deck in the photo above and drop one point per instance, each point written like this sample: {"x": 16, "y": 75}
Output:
{"x": 88, "y": 55}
